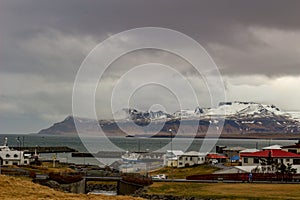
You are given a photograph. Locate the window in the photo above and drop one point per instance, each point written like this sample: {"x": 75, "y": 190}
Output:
{"x": 6, "y": 162}
{"x": 186, "y": 159}
{"x": 180, "y": 158}
{"x": 7, "y": 155}
{"x": 180, "y": 163}
{"x": 15, "y": 156}
{"x": 292, "y": 150}
{"x": 287, "y": 160}
{"x": 191, "y": 158}
{"x": 25, "y": 161}
{"x": 296, "y": 161}
{"x": 256, "y": 160}
{"x": 245, "y": 160}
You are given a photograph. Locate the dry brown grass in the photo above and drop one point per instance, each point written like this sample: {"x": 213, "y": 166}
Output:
{"x": 12, "y": 188}
{"x": 228, "y": 190}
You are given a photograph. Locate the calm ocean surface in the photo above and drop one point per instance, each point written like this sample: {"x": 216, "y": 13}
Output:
{"x": 95, "y": 144}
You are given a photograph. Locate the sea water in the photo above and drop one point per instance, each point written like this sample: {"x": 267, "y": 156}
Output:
{"x": 130, "y": 144}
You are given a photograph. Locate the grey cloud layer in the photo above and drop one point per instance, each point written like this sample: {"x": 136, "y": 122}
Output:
{"x": 225, "y": 23}
{"x": 42, "y": 44}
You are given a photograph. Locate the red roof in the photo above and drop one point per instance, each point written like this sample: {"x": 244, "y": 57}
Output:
{"x": 216, "y": 156}
{"x": 273, "y": 153}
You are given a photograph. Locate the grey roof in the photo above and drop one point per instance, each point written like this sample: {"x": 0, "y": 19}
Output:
{"x": 194, "y": 153}
{"x": 249, "y": 150}
{"x": 276, "y": 146}
{"x": 234, "y": 149}
{"x": 175, "y": 152}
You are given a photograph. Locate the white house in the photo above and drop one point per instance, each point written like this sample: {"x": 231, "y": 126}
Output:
{"x": 191, "y": 158}
{"x": 292, "y": 148}
{"x": 13, "y": 157}
{"x": 276, "y": 155}
{"x": 171, "y": 158}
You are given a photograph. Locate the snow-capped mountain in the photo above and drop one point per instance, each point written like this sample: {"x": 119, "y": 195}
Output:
{"x": 227, "y": 109}
{"x": 240, "y": 118}
{"x": 294, "y": 115}
{"x": 242, "y": 109}
{"x": 134, "y": 114}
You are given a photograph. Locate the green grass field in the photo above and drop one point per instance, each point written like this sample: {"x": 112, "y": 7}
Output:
{"x": 181, "y": 173}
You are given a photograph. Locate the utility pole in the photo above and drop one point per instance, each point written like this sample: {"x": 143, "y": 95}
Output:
{"x": 171, "y": 131}
{"x": 18, "y": 139}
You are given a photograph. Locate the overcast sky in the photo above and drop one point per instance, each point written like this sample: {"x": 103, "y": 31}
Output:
{"x": 255, "y": 44}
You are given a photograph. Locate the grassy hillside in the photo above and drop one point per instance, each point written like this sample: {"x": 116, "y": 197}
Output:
{"x": 12, "y": 188}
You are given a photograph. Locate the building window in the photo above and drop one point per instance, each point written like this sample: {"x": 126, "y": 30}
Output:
{"x": 245, "y": 160}
{"x": 180, "y": 163}
{"x": 256, "y": 160}
{"x": 292, "y": 151}
{"x": 25, "y": 161}
{"x": 186, "y": 159}
{"x": 287, "y": 160}
{"x": 180, "y": 158}
{"x": 296, "y": 161}
{"x": 6, "y": 162}
{"x": 15, "y": 156}
{"x": 191, "y": 158}
{"x": 7, "y": 155}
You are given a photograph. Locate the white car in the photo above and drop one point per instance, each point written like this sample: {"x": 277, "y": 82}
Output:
{"x": 214, "y": 161}
{"x": 159, "y": 177}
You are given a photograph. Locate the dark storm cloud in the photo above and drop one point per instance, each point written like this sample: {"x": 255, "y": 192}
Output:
{"x": 42, "y": 44}
{"x": 218, "y": 22}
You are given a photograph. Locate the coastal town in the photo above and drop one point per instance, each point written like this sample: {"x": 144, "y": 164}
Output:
{"x": 229, "y": 164}
{"x": 141, "y": 99}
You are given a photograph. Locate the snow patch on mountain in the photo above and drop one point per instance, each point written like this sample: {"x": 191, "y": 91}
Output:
{"x": 134, "y": 114}
{"x": 295, "y": 115}
{"x": 235, "y": 109}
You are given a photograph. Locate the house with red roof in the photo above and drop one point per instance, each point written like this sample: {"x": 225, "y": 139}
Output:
{"x": 292, "y": 148}
{"x": 276, "y": 155}
{"x": 210, "y": 158}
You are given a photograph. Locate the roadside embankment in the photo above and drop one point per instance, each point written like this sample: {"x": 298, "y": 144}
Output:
{"x": 12, "y": 188}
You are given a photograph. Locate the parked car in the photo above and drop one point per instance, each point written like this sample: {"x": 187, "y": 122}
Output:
{"x": 159, "y": 177}
{"x": 214, "y": 162}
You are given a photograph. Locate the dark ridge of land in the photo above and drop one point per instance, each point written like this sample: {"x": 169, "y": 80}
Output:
{"x": 274, "y": 136}
{"x": 48, "y": 149}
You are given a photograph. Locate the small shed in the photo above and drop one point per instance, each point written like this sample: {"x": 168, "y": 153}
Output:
{"x": 232, "y": 151}
{"x": 219, "y": 157}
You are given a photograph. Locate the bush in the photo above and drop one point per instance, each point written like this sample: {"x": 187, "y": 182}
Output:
{"x": 137, "y": 179}
{"x": 65, "y": 178}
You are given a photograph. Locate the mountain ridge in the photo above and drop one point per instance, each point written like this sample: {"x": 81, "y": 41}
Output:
{"x": 239, "y": 118}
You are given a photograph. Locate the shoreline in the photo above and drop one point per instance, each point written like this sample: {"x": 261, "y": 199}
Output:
{"x": 258, "y": 136}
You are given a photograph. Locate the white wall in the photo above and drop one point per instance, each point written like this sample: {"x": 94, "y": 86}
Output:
{"x": 190, "y": 160}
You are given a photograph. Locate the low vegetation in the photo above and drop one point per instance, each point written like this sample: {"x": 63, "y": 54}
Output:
{"x": 181, "y": 173}
{"x": 227, "y": 190}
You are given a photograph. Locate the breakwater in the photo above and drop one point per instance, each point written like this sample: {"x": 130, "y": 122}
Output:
{"x": 46, "y": 149}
